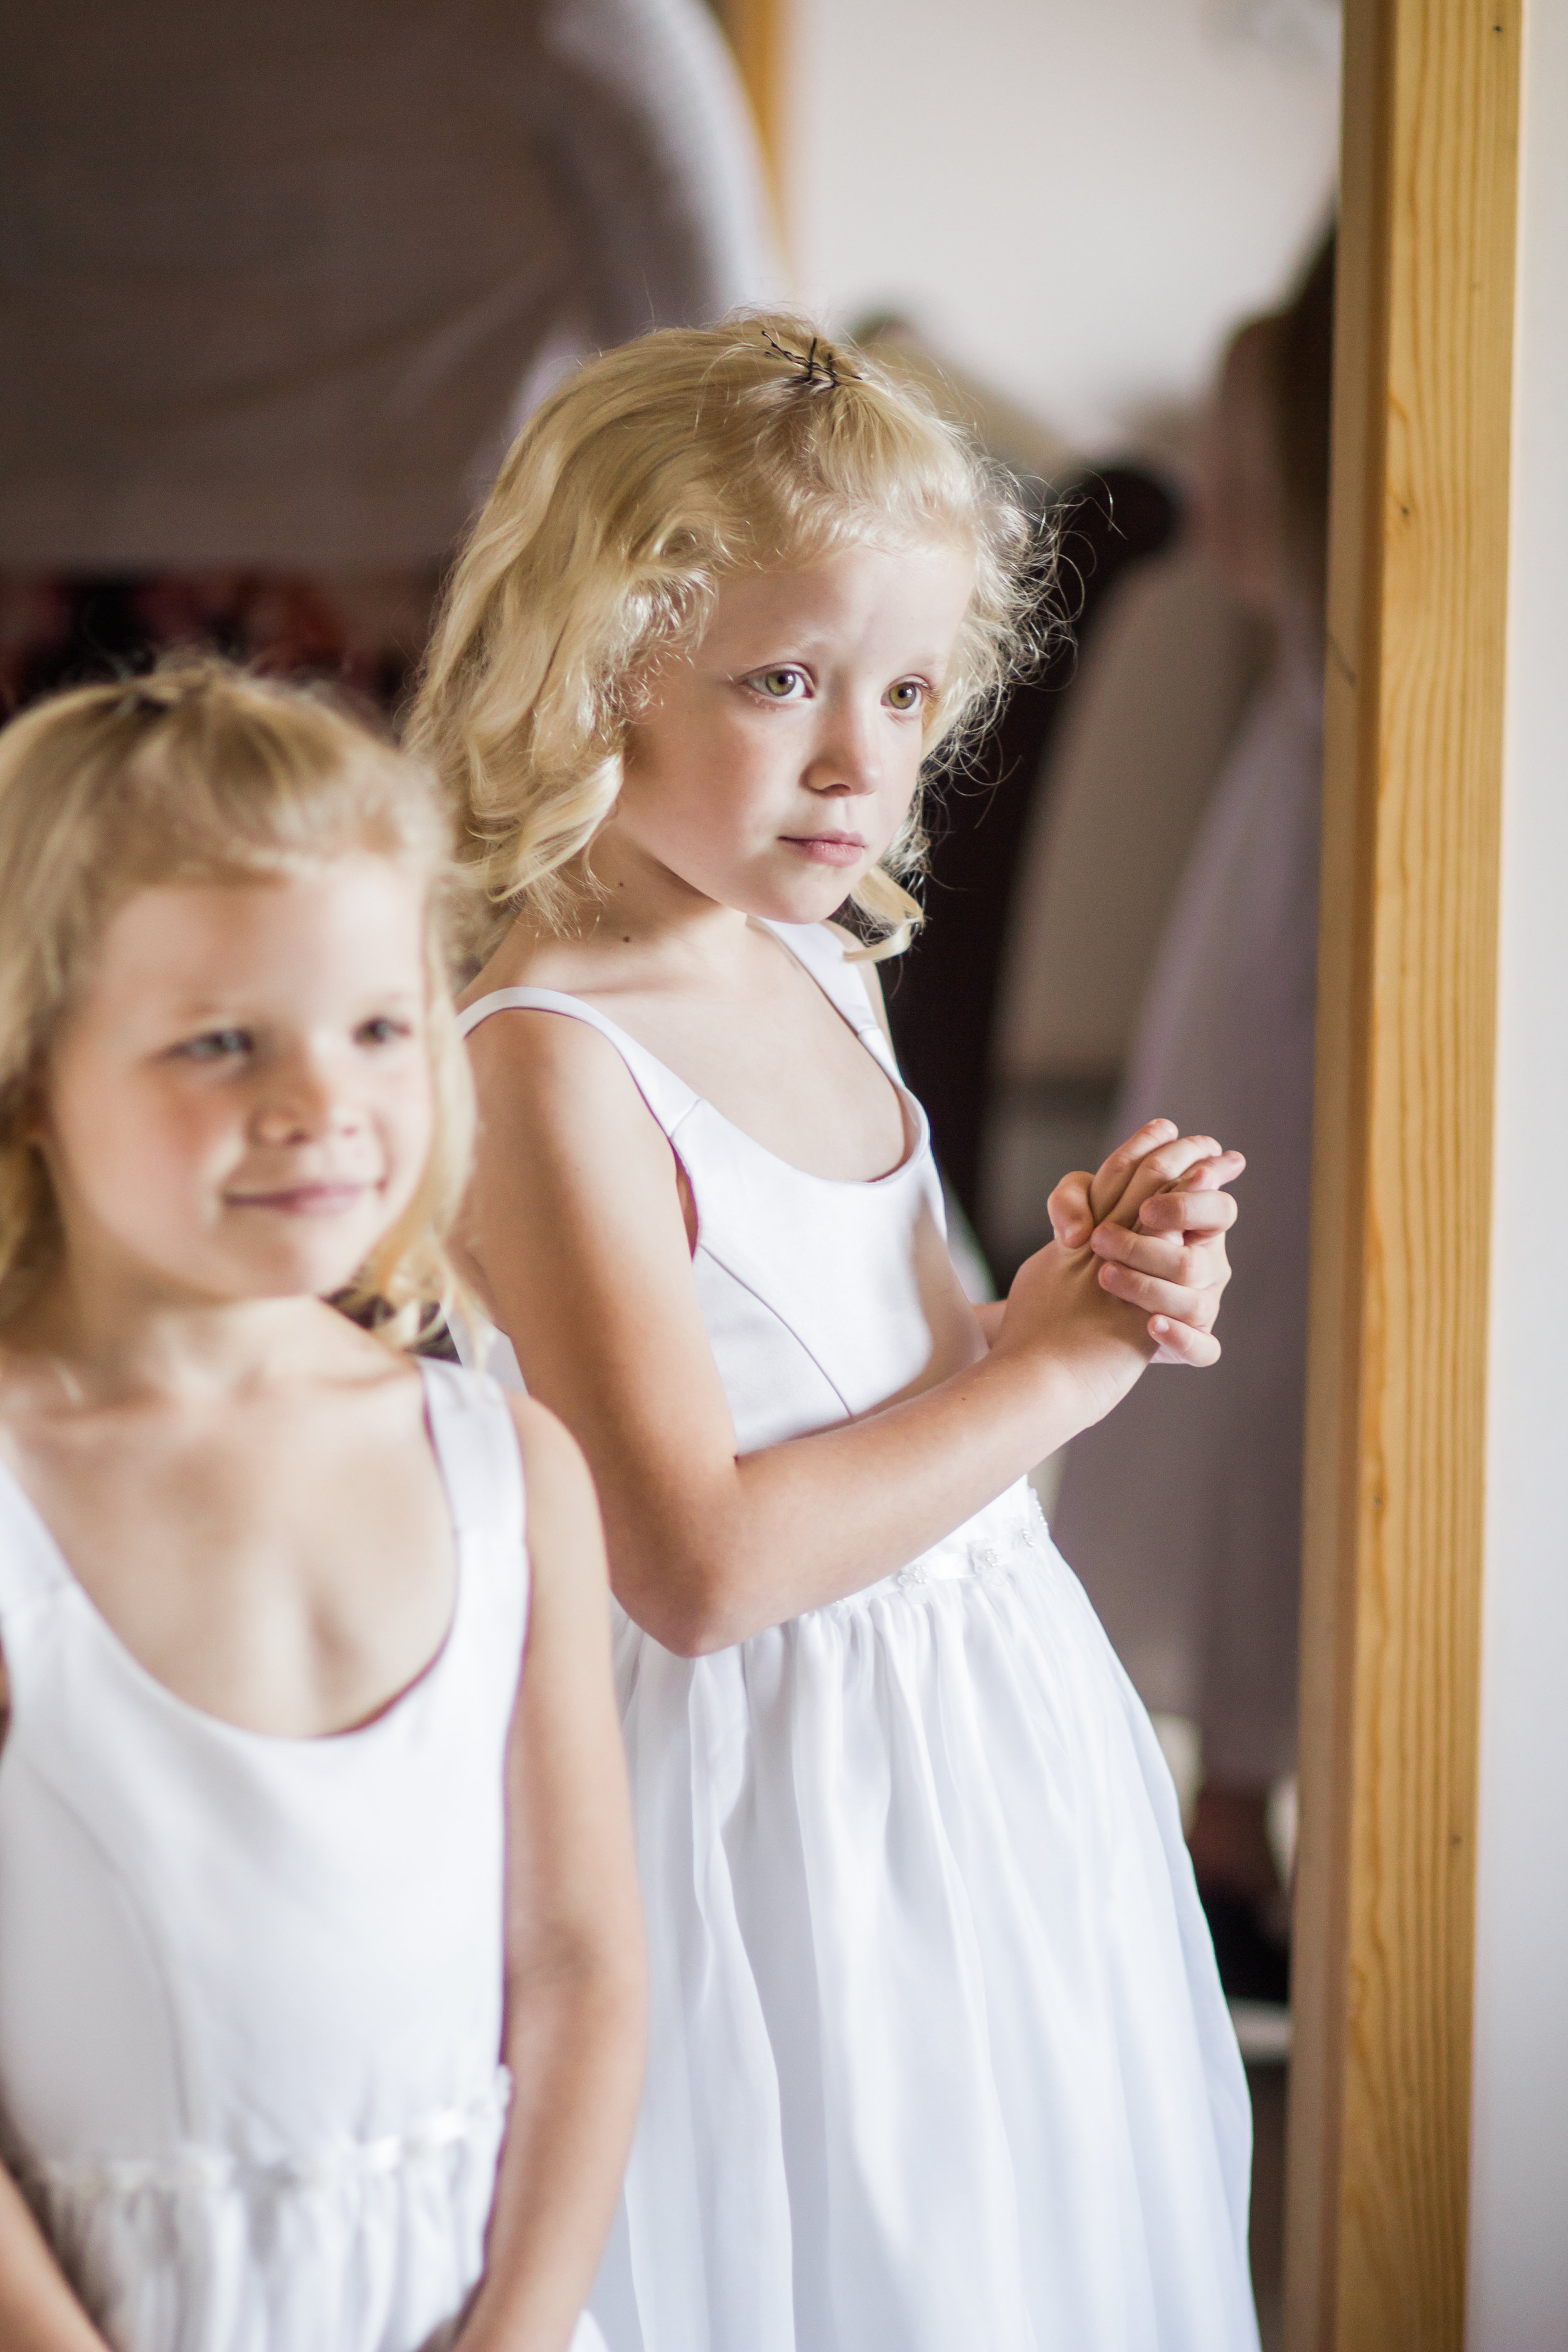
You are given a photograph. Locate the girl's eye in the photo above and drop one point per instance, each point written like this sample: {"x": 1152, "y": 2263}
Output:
{"x": 218, "y": 1045}
{"x": 381, "y": 1030}
{"x": 778, "y": 684}
{"x": 908, "y": 695}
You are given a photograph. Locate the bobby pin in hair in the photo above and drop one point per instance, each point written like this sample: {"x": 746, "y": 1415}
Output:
{"x": 135, "y": 702}
{"x": 155, "y": 696}
{"x": 819, "y": 366}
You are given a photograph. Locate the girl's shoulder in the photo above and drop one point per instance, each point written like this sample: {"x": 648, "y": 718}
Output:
{"x": 526, "y": 1433}
{"x": 477, "y": 1438}
{"x": 559, "y": 1063}
{"x": 30, "y": 1565}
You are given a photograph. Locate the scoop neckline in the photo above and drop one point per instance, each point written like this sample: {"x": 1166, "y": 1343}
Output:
{"x": 911, "y": 1105}
{"x": 913, "y": 1109}
{"x": 221, "y": 1725}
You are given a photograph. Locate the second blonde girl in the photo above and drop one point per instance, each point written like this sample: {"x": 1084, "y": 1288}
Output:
{"x": 938, "y": 2055}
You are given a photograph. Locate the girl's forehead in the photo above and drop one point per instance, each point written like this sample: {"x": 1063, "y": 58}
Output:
{"x": 365, "y": 907}
{"x": 896, "y": 579}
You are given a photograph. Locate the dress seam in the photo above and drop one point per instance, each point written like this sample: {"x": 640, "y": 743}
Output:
{"x": 160, "y": 1968}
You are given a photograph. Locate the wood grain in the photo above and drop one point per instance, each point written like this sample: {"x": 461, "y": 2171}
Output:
{"x": 1417, "y": 607}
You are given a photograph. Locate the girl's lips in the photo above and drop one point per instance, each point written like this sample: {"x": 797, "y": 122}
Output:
{"x": 828, "y": 848}
{"x": 304, "y": 1199}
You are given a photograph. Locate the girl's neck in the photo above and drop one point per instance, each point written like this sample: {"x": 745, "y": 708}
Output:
{"x": 634, "y": 918}
{"x": 114, "y": 1342}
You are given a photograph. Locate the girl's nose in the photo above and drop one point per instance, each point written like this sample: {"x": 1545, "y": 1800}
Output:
{"x": 302, "y": 1105}
{"x": 849, "y": 761}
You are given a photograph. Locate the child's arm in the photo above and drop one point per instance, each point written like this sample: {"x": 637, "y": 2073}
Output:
{"x": 574, "y": 1959}
{"x": 38, "y": 2313}
{"x": 577, "y": 1230}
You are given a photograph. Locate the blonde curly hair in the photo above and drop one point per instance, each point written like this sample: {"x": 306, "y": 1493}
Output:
{"x": 650, "y": 476}
{"x": 199, "y": 772}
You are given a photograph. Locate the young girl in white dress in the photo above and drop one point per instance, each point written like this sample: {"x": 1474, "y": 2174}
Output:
{"x": 938, "y": 2058}
{"x": 320, "y": 2001}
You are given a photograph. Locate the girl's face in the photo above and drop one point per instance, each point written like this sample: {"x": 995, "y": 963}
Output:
{"x": 240, "y": 1103}
{"x": 771, "y": 766}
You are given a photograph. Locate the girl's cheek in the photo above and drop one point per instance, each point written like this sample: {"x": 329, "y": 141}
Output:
{"x": 411, "y": 1135}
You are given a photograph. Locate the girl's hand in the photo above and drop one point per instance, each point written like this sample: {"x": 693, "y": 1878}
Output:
{"x": 1178, "y": 1240}
{"x": 1156, "y": 1215}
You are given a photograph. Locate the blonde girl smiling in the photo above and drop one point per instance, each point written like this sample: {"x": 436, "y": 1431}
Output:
{"x": 318, "y": 1953}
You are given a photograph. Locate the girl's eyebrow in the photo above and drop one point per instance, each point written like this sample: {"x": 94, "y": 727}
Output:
{"x": 241, "y": 1003}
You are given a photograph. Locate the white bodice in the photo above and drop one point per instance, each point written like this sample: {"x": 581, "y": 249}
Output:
{"x": 251, "y": 1986}
{"x": 809, "y": 1286}
{"x": 937, "y": 2053}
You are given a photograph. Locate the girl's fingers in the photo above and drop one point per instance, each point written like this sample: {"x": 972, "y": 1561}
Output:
{"x": 1070, "y": 1209}
{"x": 1187, "y": 1213}
{"x": 1183, "y": 1174}
{"x": 1181, "y": 1302}
{"x": 1111, "y": 1176}
{"x": 1195, "y": 1261}
{"x": 1179, "y": 1343}
{"x": 1168, "y": 1165}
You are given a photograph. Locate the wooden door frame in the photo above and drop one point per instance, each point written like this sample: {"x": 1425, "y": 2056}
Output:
{"x": 1380, "y": 2095}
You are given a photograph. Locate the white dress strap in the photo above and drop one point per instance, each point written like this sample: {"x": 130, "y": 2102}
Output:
{"x": 476, "y": 1445}
{"x": 670, "y": 1098}
{"x": 31, "y": 1563}
{"x": 825, "y": 957}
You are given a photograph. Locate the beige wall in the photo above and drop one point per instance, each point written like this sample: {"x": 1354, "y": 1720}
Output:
{"x": 1074, "y": 197}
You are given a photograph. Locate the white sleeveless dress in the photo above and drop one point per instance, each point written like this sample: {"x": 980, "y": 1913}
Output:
{"x": 938, "y": 2058}
{"x": 251, "y": 1986}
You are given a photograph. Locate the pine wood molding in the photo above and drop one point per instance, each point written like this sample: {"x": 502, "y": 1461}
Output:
{"x": 1408, "y": 1003}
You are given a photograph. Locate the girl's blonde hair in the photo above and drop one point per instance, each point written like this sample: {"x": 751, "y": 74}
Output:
{"x": 646, "y": 479}
{"x": 199, "y": 772}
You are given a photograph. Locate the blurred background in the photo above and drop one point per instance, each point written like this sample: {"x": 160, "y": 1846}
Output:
{"x": 278, "y": 287}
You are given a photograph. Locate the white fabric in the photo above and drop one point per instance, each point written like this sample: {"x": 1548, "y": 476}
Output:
{"x": 1183, "y": 1510}
{"x": 275, "y": 281}
{"x": 251, "y": 1987}
{"x": 939, "y": 2056}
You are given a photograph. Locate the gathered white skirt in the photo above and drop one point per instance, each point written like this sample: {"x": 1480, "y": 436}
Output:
{"x": 939, "y": 2057}
{"x": 364, "y": 2246}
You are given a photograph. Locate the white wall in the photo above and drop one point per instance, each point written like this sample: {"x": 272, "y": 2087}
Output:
{"x": 1519, "y": 2222}
{"x": 1077, "y": 198}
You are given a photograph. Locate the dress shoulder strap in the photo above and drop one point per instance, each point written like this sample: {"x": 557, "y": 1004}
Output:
{"x": 476, "y": 1445}
{"x": 670, "y": 1098}
{"x": 822, "y": 951}
{"x": 30, "y": 1562}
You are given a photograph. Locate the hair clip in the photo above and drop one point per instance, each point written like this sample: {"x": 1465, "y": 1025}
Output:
{"x": 819, "y": 366}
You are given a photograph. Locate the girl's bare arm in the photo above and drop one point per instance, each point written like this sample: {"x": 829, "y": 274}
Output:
{"x": 38, "y": 2313}
{"x": 574, "y": 1957}
{"x": 576, "y": 1232}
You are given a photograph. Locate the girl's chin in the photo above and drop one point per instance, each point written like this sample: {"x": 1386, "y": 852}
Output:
{"x": 300, "y": 1274}
{"x": 807, "y": 893}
